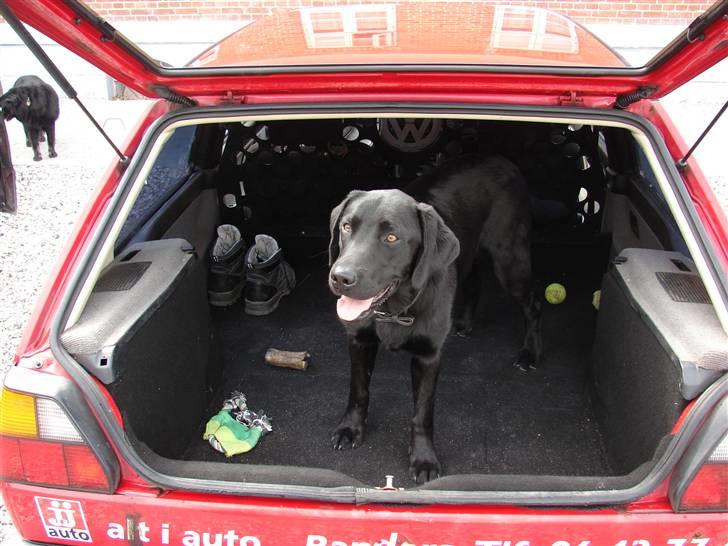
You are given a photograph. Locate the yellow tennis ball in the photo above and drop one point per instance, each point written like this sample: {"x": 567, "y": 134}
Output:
{"x": 555, "y": 293}
{"x": 597, "y": 299}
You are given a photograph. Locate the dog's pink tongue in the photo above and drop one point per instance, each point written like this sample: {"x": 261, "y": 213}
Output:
{"x": 350, "y": 309}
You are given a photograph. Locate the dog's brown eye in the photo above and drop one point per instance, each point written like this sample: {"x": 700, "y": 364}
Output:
{"x": 346, "y": 228}
{"x": 391, "y": 238}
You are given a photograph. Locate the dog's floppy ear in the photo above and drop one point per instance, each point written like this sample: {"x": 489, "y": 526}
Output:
{"x": 334, "y": 225}
{"x": 9, "y": 102}
{"x": 439, "y": 246}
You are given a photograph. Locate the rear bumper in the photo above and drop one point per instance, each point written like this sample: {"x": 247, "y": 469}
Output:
{"x": 55, "y": 516}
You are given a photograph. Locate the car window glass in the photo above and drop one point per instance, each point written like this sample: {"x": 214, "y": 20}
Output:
{"x": 166, "y": 176}
{"x": 691, "y": 108}
{"x": 301, "y": 32}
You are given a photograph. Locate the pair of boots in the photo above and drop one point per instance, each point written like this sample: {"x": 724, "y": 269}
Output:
{"x": 260, "y": 269}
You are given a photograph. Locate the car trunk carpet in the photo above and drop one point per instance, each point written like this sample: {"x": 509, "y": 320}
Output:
{"x": 490, "y": 418}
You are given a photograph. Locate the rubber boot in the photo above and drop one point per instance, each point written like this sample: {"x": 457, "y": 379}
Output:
{"x": 268, "y": 276}
{"x": 227, "y": 267}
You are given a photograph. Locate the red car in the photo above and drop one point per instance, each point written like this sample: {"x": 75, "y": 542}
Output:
{"x": 620, "y": 438}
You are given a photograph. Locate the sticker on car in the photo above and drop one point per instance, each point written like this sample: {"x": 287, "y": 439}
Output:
{"x": 63, "y": 519}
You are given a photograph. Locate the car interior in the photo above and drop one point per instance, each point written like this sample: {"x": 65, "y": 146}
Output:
{"x": 623, "y": 354}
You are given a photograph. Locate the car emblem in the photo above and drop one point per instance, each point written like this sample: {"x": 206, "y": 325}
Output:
{"x": 410, "y": 134}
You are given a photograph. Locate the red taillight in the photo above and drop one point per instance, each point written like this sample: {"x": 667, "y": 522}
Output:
{"x": 705, "y": 488}
{"x": 708, "y": 490}
{"x": 39, "y": 444}
{"x": 11, "y": 467}
{"x": 43, "y": 462}
{"x": 84, "y": 470}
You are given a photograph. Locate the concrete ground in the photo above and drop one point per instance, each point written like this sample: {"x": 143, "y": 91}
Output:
{"x": 52, "y": 193}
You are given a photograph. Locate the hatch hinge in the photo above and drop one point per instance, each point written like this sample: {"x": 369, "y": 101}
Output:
{"x": 167, "y": 94}
{"x": 108, "y": 32}
{"x": 230, "y": 98}
{"x": 623, "y": 101}
{"x": 694, "y": 32}
{"x": 572, "y": 98}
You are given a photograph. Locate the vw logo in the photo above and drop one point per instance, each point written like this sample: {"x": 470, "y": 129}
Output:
{"x": 410, "y": 134}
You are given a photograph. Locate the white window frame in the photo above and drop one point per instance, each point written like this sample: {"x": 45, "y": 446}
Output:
{"x": 348, "y": 16}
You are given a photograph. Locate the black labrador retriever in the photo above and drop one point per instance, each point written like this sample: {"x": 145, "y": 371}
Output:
{"x": 33, "y": 103}
{"x": 403, "y": 264}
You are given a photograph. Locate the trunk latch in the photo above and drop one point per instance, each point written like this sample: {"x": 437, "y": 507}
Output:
{"x": 572, "y": 98}
{"x": 389, "y": 484}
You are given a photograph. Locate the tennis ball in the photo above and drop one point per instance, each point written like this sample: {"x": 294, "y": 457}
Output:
{"x": 555, "y": 293}
{"x": 596, "y": 299}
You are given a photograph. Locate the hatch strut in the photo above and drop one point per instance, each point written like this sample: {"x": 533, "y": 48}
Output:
{"x": 52, "y": 69}
{"x": 683, "y": 163}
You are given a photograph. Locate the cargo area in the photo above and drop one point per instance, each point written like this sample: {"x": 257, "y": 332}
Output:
{"x": 623, "y": 354}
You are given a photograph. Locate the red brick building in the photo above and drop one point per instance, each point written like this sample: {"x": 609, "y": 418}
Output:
{"x": 602, "y": 11}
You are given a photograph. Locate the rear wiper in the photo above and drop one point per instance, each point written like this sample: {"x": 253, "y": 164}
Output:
{"x": 53, "y": 70}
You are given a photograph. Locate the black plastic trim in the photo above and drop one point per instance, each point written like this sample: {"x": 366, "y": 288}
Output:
{"x": 64, "y": 392}
{"x": 654, "y": 213}
{"x": 712, "y": 433}
{"x": 657, "y": 475}
{"x": 156, "y": 68}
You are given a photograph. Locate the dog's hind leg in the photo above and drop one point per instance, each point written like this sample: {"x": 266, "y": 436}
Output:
{"x": 26, "y": 130}
{"x": 50, "y": 130}
{"x": 349, "y": 433}
{"x": 466, "y": 299}
{"x": 34, "y": 138}
{"x": 512, "y": 266}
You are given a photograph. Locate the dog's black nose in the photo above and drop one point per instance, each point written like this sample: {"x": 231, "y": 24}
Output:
{"x": 342, "y": 277}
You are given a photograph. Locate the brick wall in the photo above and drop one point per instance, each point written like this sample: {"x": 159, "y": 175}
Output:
{"x": 584, "y": 11}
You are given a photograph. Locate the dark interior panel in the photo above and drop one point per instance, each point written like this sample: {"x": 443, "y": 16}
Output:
{"x": 284, "y": 177}
{"x": 145, "y": 332}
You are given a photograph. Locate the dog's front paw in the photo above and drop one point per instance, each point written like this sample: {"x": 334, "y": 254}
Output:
{"x": 525, "y": 361}
{"x": 37, "y": 158}
{"x": 424, "y": 466}
{"x": 52, "y": 153}
{"x": 349, "y": 434}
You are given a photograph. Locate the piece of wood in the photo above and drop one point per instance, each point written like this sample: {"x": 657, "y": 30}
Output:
{"x": 288, "y": 359}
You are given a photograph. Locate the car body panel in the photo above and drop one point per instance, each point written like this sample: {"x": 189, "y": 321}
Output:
{"x": 84, "y": 33}
{"x": 178, "y": 518}
{"x": 186, "y": 516}
{"x": 193, "y": 520}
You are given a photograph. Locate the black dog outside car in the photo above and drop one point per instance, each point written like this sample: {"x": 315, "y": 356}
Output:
{"x": 35, "y": 104}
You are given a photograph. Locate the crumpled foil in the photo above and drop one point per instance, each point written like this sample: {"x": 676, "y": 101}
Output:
{"x": 238, "y": 407}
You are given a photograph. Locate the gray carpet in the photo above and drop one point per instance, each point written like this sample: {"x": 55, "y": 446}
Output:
{"x": 490, "y": 418}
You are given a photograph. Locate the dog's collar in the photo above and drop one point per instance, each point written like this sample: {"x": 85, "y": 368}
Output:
{"x": 398, "y": 318}
{"x": 401, "y": 318}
